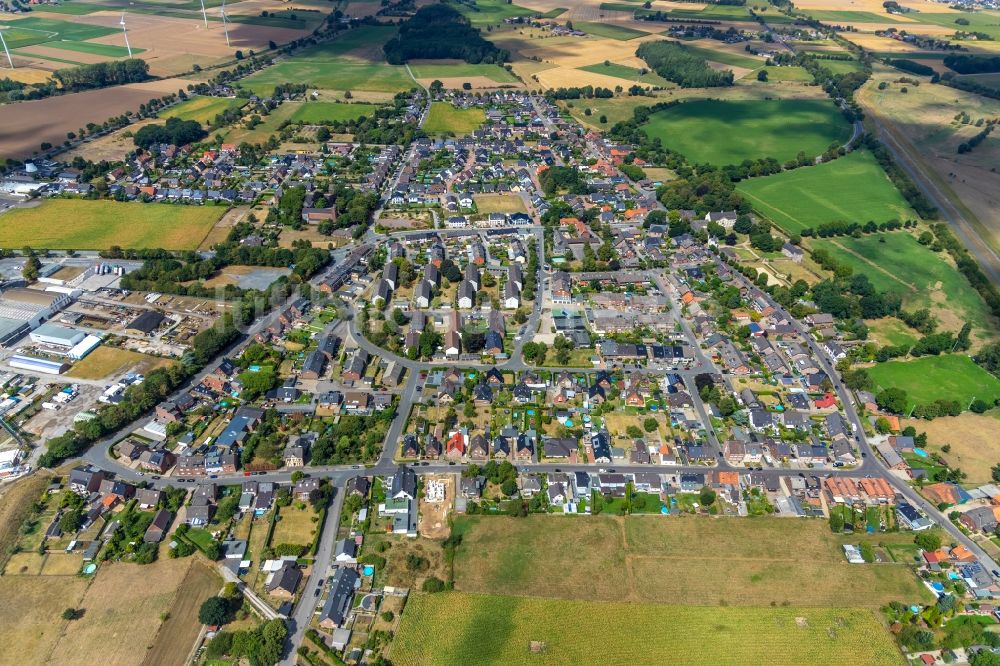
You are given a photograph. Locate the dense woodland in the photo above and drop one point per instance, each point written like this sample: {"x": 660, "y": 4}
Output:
{"x": 677, "y": 63}
{"x": 437, "y": 32}
{"x": 102, "y": 74}
{"x": 175, "y": 132}
{"x": 972, "y": 64}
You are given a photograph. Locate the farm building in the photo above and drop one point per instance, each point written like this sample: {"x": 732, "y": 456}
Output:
{"x": 37, "y": 364}
{"x": 57, "y": 336}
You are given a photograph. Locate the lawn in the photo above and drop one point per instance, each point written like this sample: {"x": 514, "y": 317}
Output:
{"x": 840, "y": 66}
{"x": 352, "y": 61}
{"x": 609, "y": 30}
{"x": 949, "y": 377}
{"x": 202, "y": 109}
{"x": 271, "y": 123}
{"x": 108, "y": 361}
{"x": 852, "y": 188}
{"x": 629, "y": 74}
{"x": 295, "y": 526}
{"x": 711, "y": 131}
{"x": 455, "y": 628}
{"x": 462, "y": 69}
{"x": 318, "y": 112}
{"x": 444, "y": 118}
{"x": 752, "y": 562}
{"x": 99, "y": 225}
{"x": 499, "y": 203}
{"x": 897, "y": 262}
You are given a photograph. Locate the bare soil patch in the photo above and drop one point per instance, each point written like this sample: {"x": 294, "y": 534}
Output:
{"x": 25, "y": 125}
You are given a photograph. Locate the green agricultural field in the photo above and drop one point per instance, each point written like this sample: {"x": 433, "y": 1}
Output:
{"x": 786, "y": 74}
{"x": 318, "y": 112}
{"x": 948, "y": 377}
{"x": 352, "y": 61}
{"x": 58, "y": 29}
{"x": 725, "y": 57}
{"x": 444, "y": 118}
{"x": 107, "y": 50}
{"x": 454, "y": 628}
{"x": 491, "y": 12}
{"x": 201, "y": 109}
{"x": 17, "y": 38}
{"x": 650, "y": 78}
{"x": 850, "y": 17}
{"x": 840, "y": 66}
{"x": 985, "y": 21}
{"x": 554, "y": 13}
{"x": 609, "y": 30}
{"x": 729, "y": 132}
{"x": 897, "y": 262}
{"x": 265, "y": 129}
{"x": 852, "y": 188}
{"x": 98, "y": 225}
{"x": 460, "y": 69}
{"x": 73, "y": 8}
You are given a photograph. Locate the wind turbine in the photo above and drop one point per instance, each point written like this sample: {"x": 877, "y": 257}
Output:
{"x": 6, "y": 50}
{"x": 125, "y": 32}
{"x": 225, "y": 25}
{"x": 203, "y": 14}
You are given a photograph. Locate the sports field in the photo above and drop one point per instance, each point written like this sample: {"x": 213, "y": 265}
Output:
{"x": 98, "y": 225}
{"x": 318, "y": 112}
{"x": 752, "y": 562}
{"x": 729, "y": 132}
{"x": 444, "y": 118}
{"x": 629, "y": 74}
{"x": 853, "y": 188}
{"x": 456, "y": 628}
{"x": 949, "y": 377}
{"x": 352, "y": 61}
{"x": 897, "y": 262}
{"x": 430, "y": 70}
{"x": 202, "y": 109}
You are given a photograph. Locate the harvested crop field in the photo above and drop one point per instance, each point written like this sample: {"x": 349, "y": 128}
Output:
{"x": 98, "y": 225}
{"x": 123, "y": 610}
{"x": 25, "y": 125}
{"x": 753, "y": 562}
{"x": 456, "y": 628}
